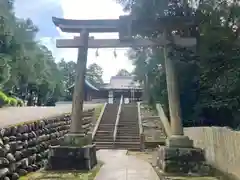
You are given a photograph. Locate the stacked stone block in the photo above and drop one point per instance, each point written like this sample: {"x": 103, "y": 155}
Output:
{"x": 25, "y": 148}
{"x": 175, "y": 160}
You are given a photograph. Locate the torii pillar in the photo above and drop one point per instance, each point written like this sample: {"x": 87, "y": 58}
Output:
{"x": 76, "y": 136}
{"x": 177, "y": 138}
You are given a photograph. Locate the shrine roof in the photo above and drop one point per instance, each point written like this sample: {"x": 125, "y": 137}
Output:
{"x": 96, "y": 25}
{"x": 87, "y": 83}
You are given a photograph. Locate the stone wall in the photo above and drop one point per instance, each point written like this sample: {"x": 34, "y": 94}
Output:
{"x": 222, "y": 147}
{"x": 24, "y": 148}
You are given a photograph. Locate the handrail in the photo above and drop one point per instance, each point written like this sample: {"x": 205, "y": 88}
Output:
{"x": 139, "y": 118}
{"x": 117, "y": 119}
{"x": 164, "y": 120}
{"x": 98, "y": 121}
{"x": 141, "y": 134}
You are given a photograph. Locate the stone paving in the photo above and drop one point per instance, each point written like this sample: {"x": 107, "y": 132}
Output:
{"x": 15, "y": 115}
{"x": 119, "y": 166}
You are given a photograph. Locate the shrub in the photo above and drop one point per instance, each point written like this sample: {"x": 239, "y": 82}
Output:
{"x": 7, "y": 102}
{"x": 3, "y": 98}
{"x": 20, "y": 102}
{"x": 13, "y": 101}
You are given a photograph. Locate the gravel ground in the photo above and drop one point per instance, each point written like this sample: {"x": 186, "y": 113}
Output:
{"x": 15, "y": 115}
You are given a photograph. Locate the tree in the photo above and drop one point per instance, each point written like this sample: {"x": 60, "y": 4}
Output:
{"x": 27, "y": 68}
{"x": 68, "y": 70}
{"x": 94, "y": 74}
{"x": 123, "y": 72}
{"x": 209, "y": 74}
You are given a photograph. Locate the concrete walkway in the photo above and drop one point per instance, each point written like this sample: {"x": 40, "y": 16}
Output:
{"x": 119, "y": 166}
{"x": 15, "y": 115}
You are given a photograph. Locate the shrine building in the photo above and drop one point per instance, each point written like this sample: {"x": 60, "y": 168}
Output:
{"x": 112, "y": 92}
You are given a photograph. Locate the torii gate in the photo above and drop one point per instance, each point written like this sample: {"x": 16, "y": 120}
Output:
{"x": 178, "y": 145}
{"x": 126, "y": 26}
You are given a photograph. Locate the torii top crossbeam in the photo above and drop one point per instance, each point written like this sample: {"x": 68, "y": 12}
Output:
{"x": 76, "y": 26}
{"x": 127, "y": 27}
{"x": 116, "y": 25}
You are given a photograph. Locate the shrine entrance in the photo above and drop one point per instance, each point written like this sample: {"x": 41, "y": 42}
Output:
{"x": 127, "y": 27}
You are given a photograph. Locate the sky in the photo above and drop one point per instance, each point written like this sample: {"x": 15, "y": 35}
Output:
{"x": 41, "y": 12}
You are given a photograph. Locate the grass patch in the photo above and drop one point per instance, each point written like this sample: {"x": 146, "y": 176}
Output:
{"x": 64, "y": 175}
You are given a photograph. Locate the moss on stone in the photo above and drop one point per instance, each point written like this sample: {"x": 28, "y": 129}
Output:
{"x": 69, "y": 175}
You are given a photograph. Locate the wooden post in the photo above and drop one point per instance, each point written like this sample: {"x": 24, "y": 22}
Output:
{"x": 78, "y": 94}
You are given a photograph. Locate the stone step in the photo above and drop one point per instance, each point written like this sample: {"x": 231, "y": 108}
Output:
{"x": 118, "y": 145}
{"x": 135, "y": 122}
{"x": 105, "y": 129}
{"x": 120, "y": 133}
{"x": 106, "y": 124}
{"x": 98, "y": 147}
{"x": 127, "y": 145}
{"x": 104, "y": 144}
{"x": 127, "y": 140}
{"x": 103, "y": 139}
{"x": 127, "y": 132}
{"x": 103, "y": 134}
{"x": 127, "y": 127}
{"x": 127, "y": 137}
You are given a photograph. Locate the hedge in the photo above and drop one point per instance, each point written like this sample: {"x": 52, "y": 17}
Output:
{"x": 9, "y": 101}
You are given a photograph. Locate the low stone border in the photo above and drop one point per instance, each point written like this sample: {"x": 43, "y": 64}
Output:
{"x": 24, "y": 147}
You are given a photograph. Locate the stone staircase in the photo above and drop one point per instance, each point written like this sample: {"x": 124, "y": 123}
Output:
{"x": 128, "y": 128}
{"x": 104, "y": 135}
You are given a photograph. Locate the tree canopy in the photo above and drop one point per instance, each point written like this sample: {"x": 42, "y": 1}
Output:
{"x": 208, "y": 74}
{"x": 28, "y": 68}
{"x": 94, "y": 74}
{"x": 123, "y": 72}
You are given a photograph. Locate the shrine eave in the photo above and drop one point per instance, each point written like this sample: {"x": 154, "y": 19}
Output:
{"x": 88, "y": 84}
{"x": 75, "y": 26}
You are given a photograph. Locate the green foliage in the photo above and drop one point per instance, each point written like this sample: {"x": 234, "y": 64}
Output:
{"x": 208, "y": 75}
{"x": 12, "y": 101}
{"x": 9, "y": 101}
{"x": 3, "y": 98}
{"x": 27, "y": 68}
{"x": 94, "y": 74}
{"x": 20, "y": 102}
